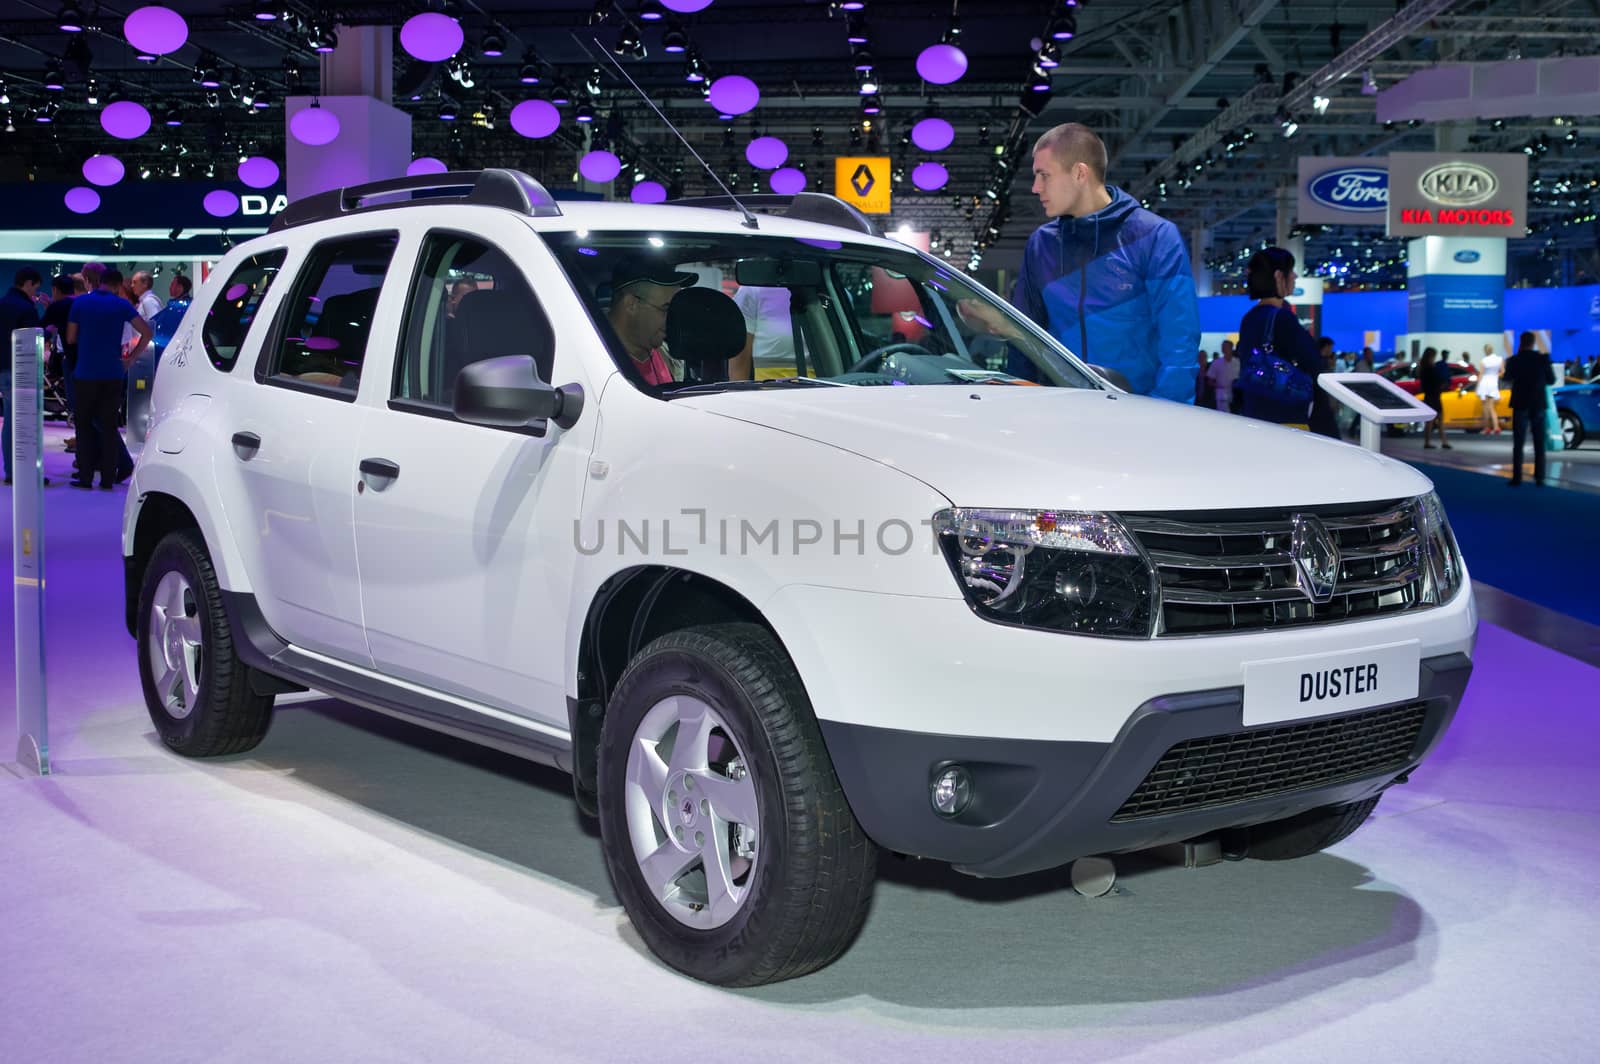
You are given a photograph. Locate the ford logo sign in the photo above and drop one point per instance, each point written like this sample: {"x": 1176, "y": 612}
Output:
{"x": 1299, "y": 290}
{"x": 1467, "y": 256}
{"x": 1458, "y": 184}
{"x": 1363, "y": 189}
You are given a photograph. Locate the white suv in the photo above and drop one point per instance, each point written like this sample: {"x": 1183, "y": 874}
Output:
{"x": 914, "y": 578}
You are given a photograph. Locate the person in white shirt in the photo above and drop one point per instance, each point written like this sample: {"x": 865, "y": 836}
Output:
{"x": 1222, "y": 373}
{"x": 769, "y": 335}
{"x": 149, "y": 303}
{"x": 1489, "y": 390}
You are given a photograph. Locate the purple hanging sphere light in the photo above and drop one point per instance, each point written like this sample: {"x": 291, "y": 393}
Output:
{"x": 258, "y": 171}
{"x": 425, "y": 164}
{"x": 685, "y": 7}
{"x": 431, "y": 37}
{"x": 82, "y": 200}
{"x": 930, "y": 177}
{"x": 787, "y": 182}
{"x": 649, "y": 192}
{"x": 933, "y": 134}
{"x": 315, "y": 126}
{"x": 220, "y": 203}
{"x": 767, "y": 153}
{"x": 535, "y": 118}
{"x": 155, "y": 30}
{"x": 599, "y": 166}
{"x": 941, "y": 63}
{"x": 103, "y": 170}
{"x": 125, "y": 119}
{"x": 734, "y": 94}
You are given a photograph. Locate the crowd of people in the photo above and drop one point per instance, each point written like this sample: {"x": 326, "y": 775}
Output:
{"x": 96, "y": 322}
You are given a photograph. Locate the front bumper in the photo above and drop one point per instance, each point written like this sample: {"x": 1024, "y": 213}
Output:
{"x": 1039, "y": 803}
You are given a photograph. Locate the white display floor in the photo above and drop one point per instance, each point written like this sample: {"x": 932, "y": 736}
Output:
{"x": 356, "y": 890}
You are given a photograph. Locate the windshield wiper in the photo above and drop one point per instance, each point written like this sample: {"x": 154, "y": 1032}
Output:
{"x": 751, "y": 386}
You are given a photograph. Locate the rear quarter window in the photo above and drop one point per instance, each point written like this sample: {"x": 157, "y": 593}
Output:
{"x": 234, "y": 310}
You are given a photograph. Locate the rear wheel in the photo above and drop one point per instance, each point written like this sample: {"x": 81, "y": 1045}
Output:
{"x": 726, "y": 834}
{"x": 1310, "y": 832}
{"x": 197, "y": 691}
{"x": 1571, "y": 430}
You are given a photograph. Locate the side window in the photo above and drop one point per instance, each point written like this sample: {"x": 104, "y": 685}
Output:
{"x": 328, "y": 317}
{"x": 468, "y": 302}
{"x": 234, "y": 310}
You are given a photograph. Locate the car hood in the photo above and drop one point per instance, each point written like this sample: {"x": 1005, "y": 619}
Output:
{"x": 1054, "y": 448}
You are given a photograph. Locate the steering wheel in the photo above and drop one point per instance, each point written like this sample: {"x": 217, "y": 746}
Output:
{"x": 871, "y": 359}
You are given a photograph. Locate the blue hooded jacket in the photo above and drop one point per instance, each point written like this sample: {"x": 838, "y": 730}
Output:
{"x": 1115, "y": 288}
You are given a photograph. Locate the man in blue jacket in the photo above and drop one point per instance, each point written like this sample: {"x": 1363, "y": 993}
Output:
{"x": 1106, "y": 277}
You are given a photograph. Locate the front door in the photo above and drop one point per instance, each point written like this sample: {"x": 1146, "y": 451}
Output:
{"x": 464, "y": 532}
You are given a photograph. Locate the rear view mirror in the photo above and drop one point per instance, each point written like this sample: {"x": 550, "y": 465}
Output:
{"x": 778, "y": 273}
{"x": 506, "y": 392}
{"x": 1111, "y": 376}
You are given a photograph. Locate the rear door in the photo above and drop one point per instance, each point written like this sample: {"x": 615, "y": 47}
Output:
{"x": 289, "y": 477}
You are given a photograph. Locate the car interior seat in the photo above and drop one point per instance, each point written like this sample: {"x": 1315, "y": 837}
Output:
{"x": 705, "y": 328}
{"x": 491, "y": 322}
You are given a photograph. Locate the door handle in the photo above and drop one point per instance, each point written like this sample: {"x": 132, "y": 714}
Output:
{"x": 381, "y": 472}
{"x": 245, "y": 445}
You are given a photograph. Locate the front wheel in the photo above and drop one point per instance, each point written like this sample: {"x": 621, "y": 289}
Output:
{"x": 726, "y": 834}
{"x": 1310, "y": 832}
{"x": 1572, "y": 433}
{"x": 197, "y": 690}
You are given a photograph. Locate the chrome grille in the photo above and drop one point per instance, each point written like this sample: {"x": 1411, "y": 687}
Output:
{"x": 1266, "y": 762}
{"x": 1231, "y": 573}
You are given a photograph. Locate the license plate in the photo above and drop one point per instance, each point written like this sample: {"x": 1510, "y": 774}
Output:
{"x": 1317, "y": 685}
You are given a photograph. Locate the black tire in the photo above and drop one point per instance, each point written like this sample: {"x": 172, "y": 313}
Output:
{"x": 226, "y": 716}
{"x": 811, "y": 885}
{"x": 1310, "y": 832}
{"x": 1572, "y": 430}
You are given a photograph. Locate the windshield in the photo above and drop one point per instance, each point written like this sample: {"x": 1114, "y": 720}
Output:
{"x": 686, "y": 313}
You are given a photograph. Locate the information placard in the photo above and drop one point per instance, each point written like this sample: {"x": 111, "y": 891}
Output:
{"x": 27, "y": 546}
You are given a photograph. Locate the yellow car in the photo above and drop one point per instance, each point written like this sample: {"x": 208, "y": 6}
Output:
{"x": 1462, "y": 409}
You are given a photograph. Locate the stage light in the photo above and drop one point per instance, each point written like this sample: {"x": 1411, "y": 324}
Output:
{"x": 493, "y": 45}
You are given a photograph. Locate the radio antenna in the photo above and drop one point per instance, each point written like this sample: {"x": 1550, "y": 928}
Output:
{"x": 749, "y": 218}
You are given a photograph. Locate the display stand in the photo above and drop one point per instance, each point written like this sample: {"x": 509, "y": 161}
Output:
{"x": 1379, "y": 401}
{"x": 27, "y": 546}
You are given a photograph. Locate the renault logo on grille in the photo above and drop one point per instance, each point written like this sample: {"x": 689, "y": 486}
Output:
{"x": 1316, "y": 557}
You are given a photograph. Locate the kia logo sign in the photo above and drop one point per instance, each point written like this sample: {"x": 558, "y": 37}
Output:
{"x": 1458, "y": 184}
{"x": 1467, "y": 256}
{"x": 1352, "y": 188}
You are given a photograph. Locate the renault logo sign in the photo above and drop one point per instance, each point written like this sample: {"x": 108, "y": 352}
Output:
{"x": 1316, "y": 557}
{"x": 1458, "y": 184}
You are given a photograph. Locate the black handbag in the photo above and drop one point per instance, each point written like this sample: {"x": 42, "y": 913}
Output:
{"x": 1266, "y": 374}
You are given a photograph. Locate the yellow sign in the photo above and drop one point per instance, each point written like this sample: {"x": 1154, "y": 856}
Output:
{"x": 863, "y": 182}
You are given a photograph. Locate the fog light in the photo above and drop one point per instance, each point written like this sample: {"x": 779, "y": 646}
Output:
{"x": 951, "y": 791}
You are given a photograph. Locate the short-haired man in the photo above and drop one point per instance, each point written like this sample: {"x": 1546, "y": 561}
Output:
{"x": 1106, "y": 277}
{"x": 143, "y": 285}
{"x": 95, "y": 325}
{"x": 180, "y": 287}
{"x": 641, "y": 292}
{"x": 17, "y": 311}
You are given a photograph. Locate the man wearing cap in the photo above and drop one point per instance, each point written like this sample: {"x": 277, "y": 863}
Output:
{"x": 641, "y": 292}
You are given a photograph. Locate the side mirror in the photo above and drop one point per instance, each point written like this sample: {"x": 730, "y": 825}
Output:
{"x": 1111, "y": 376}
{"x": 506, "y": 393}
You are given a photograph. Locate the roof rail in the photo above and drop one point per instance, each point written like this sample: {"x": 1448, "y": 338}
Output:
{"x": 803, "y": 207}
{"x": 511, "y": 189}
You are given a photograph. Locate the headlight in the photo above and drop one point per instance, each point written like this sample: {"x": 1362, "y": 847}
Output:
{"x": 1443, "y": 573}
{"x": 1055, "y": 569}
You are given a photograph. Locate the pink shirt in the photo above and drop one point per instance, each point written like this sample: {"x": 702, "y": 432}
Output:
{"x": 655, "y": 370}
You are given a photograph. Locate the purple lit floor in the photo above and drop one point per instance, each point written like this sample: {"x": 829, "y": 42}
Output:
{"x": 356, "y": 890}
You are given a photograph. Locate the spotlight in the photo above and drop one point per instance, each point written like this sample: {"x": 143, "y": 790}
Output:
{"x": 321, "y": 39}
{"x": 266, "y": 10}
{"x": 1369, "y": 84}
{"x": 868, "y": 84}
{"x": 862, "y": 58}
{"x": 173, "y": 235}
{"x": 585, "y": 113}
{"x": 871, "y": 105}
{"x": 1049, "y": 56}
{"x": 71, "y": 18}
{"x": 1320, "y": 104}
{"x": 652, "y": 11}
{"x": 591, "y": 84}
{"x": 5, "y": 97}
{"x": 675, "y": 40}
{"x": 116, "y": 241}
{"x": 447, "y": 111}
{"x": 1064, "y": 27}
{"x": 817, "y": 140}
{"x": 144, "y": 173}
{"x": 53, "y": 79}
{"x": 528, "y": 74}
{"x": 694, "y": 68}
{"x": 174, "y": 116}
{"x": 855, "y": 30}
{"x": 92, "y": 94}
{"x": 493, "y": 46}
{"x": 1287, "y": 123}
{"x": 225, "y": 240}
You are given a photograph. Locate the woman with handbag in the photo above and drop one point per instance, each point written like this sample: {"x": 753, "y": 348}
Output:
{"x": 1278, "y": 359}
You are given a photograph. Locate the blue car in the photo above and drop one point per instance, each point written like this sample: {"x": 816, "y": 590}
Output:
{"x": 1578, "y": 407}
